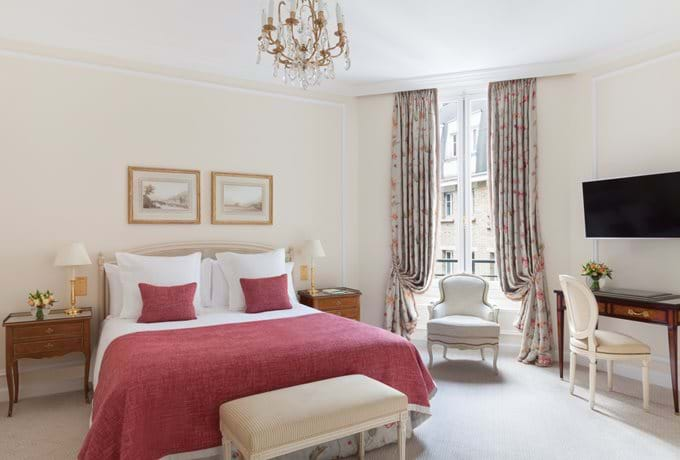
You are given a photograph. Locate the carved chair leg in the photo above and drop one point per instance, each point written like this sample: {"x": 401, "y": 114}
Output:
{"x": 572, "y": 371}
{"x": 645, "y": 384}
{"x": 481, "y": 352}
{"x": 495, "y": 359}
{"x": 592, "y": 377}
{"x": 401, "y": 436}
{"x": 610, "y": 375}
{"x": 227, "y": 448}
{"x": 429, "y": 352}
{"x": 362, "y": 445}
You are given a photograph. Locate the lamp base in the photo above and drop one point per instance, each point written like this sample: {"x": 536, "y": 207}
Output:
{"x": 73, "y": 311}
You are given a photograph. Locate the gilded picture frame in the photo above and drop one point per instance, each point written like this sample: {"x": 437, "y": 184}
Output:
{"x": 242, "y": 199}
{"x": 164, "y": 196}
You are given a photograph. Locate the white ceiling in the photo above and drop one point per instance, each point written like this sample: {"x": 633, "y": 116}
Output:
{"x": 391, "y": 39}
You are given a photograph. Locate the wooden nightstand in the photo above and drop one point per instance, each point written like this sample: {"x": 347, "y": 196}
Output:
{"x": 346, "y": 304}
{"x": 56, "y": 335}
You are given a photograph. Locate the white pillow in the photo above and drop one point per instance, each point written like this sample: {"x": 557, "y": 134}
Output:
{"x": 291, "y": 288}
{"x": 206, "y": 282}
{"x": 115, "y": 289}
{"x": 236, "y": 266}
{"x": 159, "y": 271}
{"x": 220, "y": 287}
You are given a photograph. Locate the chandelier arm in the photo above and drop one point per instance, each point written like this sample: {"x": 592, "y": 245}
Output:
{"x": 281, "y": 3}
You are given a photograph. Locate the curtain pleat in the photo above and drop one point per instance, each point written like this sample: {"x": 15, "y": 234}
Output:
{"x": 513, "y": 156}
{"x": 414, "y": 213}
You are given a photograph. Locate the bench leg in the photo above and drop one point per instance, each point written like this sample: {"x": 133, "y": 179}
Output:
{"x": 401, "y": 428}
{"x": 227, "y": 448}
{"x": 362, "y": 445}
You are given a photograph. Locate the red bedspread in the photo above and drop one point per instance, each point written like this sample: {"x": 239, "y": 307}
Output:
{"x": 159, "y": 392}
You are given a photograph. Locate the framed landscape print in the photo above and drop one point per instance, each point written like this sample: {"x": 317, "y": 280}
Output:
{"x": 242, "y": 199}
{"x": 164, "y": 196}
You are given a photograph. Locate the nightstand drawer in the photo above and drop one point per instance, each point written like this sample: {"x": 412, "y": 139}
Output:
{"x": 351, "y": 313}
{"x": 48, "y": 347}
{"x": 49, "y": 330}
{"x": 342, "y": 302}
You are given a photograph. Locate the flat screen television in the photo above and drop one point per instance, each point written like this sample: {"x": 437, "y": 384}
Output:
{"x": 633, "y": 207}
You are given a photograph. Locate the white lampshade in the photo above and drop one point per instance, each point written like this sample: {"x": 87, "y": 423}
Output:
{"x": 313, "y": 248}
{"x": 72, "y": 255}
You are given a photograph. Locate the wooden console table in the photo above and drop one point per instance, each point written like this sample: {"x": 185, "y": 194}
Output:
{"x": 665, "y": 312}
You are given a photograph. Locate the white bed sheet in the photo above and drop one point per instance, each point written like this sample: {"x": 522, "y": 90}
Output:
{"x": 112, "y": 328}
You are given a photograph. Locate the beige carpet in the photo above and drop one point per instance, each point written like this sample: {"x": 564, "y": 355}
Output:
{"x": 523, "y": 413}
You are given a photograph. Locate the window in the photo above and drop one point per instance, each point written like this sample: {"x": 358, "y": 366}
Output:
{"x": 451, "y": 151}
{"x": 466, "y": 238}
{"x": 475, "y": 138}
{"x": 448, "y": 205}
{"x": 448, "y": 261}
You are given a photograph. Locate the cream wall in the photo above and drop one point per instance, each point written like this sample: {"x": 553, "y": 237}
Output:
{"x": 375, "y": 145}
{"x": 69, "y": 131}
{"x": 634, "y": 131}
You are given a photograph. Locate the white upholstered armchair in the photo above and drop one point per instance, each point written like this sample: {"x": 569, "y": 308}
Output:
{"x": 463, "y": 318}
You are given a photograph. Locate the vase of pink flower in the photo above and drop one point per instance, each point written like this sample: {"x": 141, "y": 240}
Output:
{"x": 41, "y": 303}
{"x": 596, "y": 272}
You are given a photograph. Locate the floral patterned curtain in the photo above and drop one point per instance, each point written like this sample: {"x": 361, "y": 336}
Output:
{"x": 415, "y": 185}
{"x": 513, "y": 158}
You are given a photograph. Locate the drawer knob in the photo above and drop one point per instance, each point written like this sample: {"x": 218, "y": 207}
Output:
{"x": 49, "y": 330}
{"x": 337, "y": 302}
{"x": 49, "y": 345}
{"x": 643, "y": 313}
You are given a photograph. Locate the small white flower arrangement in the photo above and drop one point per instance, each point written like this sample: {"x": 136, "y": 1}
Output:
{"x": 41, "y": 303}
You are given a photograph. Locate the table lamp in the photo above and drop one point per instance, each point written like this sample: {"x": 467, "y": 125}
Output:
{"x": 73, "y": 255}
{"x": 314, "y": 249}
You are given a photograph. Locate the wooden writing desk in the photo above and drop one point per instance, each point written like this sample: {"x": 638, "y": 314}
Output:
{"x": 665, "y": 312}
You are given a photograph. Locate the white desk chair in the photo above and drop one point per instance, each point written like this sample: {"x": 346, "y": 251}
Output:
{"x": 463, "y": 318}
{"x": 595, "y": 344}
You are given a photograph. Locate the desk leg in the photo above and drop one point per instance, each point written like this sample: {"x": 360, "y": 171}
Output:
{"x": 10, "y": 386}
{"x": 560, "y": 334}
{"x": 16, "y": 381}
{"x": 673, "y": 354}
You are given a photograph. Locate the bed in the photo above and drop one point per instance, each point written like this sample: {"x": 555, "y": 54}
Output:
{"x": 158, "y": 386}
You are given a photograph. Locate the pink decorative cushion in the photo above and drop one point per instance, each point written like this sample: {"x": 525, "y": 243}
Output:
{"x": 167, "y": 303}
{"x": 266, "y": 294}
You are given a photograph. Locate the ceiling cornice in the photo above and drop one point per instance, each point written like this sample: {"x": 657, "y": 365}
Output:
{"x": 452, "y": 82}
{"x": 476, "y": 78}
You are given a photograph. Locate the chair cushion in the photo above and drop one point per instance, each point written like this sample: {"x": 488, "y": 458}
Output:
{"x": 276, "y": 418}
{"x": 463, "y": 326}
{"x": 613, "y": 343}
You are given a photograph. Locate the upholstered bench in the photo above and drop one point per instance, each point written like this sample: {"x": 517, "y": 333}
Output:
{"x": 275, "y": 423}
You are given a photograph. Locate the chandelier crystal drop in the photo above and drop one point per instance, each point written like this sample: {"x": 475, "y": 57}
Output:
{"x": 300, "y": 42}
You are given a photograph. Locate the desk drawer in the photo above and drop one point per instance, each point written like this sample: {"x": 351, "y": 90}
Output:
{"x": 602, "y": 307}
{"x": 46, "y": 348}
{"x": 639, "y": 313}
{"x": 44, "y": 331}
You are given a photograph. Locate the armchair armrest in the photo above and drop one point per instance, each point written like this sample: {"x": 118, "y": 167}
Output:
{"x": 431, "y": 306}
{"x": 494, "y": 313}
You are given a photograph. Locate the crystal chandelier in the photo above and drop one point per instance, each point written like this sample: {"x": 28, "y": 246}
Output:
{"x": 299, "y": 42}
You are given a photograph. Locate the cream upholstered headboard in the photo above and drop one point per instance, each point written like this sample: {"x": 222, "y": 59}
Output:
{"x": 206, "y": 248}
